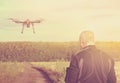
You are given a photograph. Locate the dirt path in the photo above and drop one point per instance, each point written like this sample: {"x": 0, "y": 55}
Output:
{"x": 31, "y": 75}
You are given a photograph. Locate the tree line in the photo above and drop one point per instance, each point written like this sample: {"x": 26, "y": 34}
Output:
{"x": 49, "y": 51}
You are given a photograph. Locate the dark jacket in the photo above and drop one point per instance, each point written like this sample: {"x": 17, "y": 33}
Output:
{"x": 97, "y": 67}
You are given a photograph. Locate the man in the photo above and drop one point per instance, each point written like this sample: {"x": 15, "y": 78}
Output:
{"x": 90, "y": 65}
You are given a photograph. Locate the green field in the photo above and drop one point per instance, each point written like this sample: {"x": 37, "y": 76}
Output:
{"x": 10, "y": 71}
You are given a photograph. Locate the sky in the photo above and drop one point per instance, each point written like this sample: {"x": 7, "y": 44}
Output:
{"x": 64, "y": 20}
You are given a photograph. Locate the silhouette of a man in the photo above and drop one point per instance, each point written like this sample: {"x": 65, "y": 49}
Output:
{"x": 90, "y": 65}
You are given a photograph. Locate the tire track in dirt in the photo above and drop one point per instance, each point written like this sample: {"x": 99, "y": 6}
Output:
{"x": 31, "y": 75}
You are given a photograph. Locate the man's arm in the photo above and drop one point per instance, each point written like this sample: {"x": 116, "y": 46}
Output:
{"x": 111, "y": 75}
{"x": 72, "y": 72}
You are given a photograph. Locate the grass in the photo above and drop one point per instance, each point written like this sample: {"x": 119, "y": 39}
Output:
{"x": 10, "y": 71}
{"x": 59, "y": 67}
{"x": 117, "y": 70}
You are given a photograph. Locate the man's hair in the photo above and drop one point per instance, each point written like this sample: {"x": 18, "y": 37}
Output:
{"x": 87, "y": 36}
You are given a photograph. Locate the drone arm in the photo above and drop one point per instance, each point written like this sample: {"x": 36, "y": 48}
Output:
{"x": 37, "y": 21}
{"x": 16, "y": 21}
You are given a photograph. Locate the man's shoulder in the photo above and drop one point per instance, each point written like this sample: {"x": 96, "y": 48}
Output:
{"x": 105, "y": 54}
{"x": 79, "y": 53}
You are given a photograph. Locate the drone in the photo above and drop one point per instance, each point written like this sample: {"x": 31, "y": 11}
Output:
{"x": 28, "y": 23}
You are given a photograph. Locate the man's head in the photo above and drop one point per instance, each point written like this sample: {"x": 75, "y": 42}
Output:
{"x": 86, "y": 38}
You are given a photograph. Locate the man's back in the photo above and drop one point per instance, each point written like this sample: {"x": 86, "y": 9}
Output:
{"x": 97, "y": 67}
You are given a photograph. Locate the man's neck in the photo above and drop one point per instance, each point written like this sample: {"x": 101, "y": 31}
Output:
{"x": 90, "y": 43}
